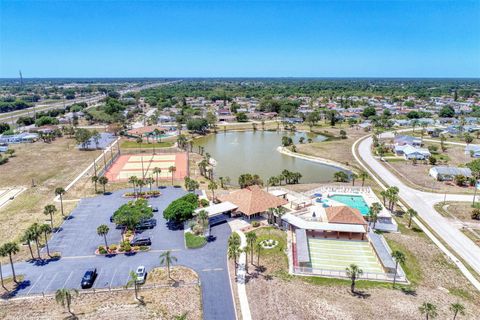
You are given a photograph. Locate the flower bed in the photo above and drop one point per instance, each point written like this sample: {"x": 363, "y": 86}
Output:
{"x": 124, "y": 248}
{"x": 143, "y": 194}
{"x": 268, "y": 243}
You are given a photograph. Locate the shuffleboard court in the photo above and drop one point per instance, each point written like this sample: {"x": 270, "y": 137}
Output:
{"x": 157, "y": 157}
{"x": 141, "y": 166}
{"x": 146, "y": 164}
{"x": 331, "y": 254}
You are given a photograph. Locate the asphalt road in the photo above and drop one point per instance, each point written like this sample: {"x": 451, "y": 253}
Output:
{"x": 423, "y": 203}
{"x": 77, "y": 240}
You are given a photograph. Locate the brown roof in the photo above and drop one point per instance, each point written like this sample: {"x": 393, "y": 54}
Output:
{"x": 253, "y": 200}
{"x": 345, "y": 215}
{"x": 144, "y": 130}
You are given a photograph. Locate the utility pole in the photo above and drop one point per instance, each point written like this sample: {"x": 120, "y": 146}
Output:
{"x": 21, "y": 77}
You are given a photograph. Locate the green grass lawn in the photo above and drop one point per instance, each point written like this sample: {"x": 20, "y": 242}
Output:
{"x": 133, "y": 144}
{"x": 193, "y": 241}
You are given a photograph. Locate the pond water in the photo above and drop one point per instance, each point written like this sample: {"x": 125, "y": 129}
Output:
{"x": 256, "y": 153}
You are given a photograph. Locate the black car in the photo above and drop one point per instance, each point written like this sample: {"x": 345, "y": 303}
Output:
{"x": 154, "y": 209}
{"x": 147, "y": 224}
{"x": 141, "y": 241}
{"x": 89, "y": 278}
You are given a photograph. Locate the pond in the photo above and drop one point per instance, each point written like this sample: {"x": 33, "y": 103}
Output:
{"x": 256, "y": 153}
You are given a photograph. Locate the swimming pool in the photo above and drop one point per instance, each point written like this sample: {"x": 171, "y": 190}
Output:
{"x": 356, "y": 202}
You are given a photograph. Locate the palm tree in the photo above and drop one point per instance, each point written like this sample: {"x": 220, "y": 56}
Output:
{"x": 457, "y": 308}
{"x": 233, "y": 253}
{"x": 140, "y": 184}
{"x": 2, "y": 254}
{"x": 46, "y": 229}
{"x": 172, "y": 170}
{"x": 399, "y": 258}
{"x": 60, "y": 192}
{"x": 133, "y": 180}
{"x": 150, "y": 181}
{"x": 353, "y": 272}
{"x": 95, "y": 180}
{"x": 375, "y": 209}
{"x": 259, "y": 250}
{"x": 246, "y": 250}
{"x": 279, "y": 212}
{"x": 133, "y": 280}
{"x": 10, "y": 249}
{"x": 64, "y": 297}
{"x": 384, "y": 197}
{"x": 28, "y": 238}
{"x": 429, "y": 310}
{"x": 50, "y": 209}
{"x": 102, "y": 231}
{"x": 251, "y": 239}
{"x": 157, "y": 171}
{"x": 36, "y": 234}
{"x": 363, "y": 175}
{"x": 353, "y": 176}
{"x": 103, "y": 181}
{"x": 212, "y": 186}
{"x": 411, "y": 213}
{"x": 167, "y": 259}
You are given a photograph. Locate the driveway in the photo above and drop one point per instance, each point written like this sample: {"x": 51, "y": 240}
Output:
{"x": 77, "y": 240}
{"x": 423, "y": 203}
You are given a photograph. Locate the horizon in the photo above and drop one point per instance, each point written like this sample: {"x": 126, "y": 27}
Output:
{"x": 245, "y": 39}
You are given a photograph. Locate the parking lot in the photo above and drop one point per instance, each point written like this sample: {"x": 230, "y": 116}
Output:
{"x": 78, "y": 235}
{"x": 78, "y": 239}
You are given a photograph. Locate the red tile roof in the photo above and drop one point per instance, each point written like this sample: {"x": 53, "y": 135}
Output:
{"x": 253, "y": 200}
{"x": 345, "y": 215}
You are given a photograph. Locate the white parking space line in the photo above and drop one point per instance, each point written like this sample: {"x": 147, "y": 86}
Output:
{"x": 97, "y": 280}
{"x": 113, "y": 277}
{"x": 128, "y": 277}
{"x": 69, "y": 276}
{"x": 33, "y": 286}
{"x": 50, "y": 282}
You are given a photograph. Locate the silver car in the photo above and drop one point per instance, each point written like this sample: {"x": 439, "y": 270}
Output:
{"x": 141, "y": 274}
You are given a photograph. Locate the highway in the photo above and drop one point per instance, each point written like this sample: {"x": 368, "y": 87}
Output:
{"x": 423, "y": 203}
{"x": 11, "y": 117}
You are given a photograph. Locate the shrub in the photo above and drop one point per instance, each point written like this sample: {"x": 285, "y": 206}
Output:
{"x": 255, "y": 224}
{"x": 432, "y": 161}
{"x": 143, "y": 248}
{"x": 460, "y": 180}
{"x": 476, "y": 214}
{"x": 136, "y": 248}
{"x": 112, "y": 247}
{"x": 204, "y": 203}
{"x": 102, "y": 250}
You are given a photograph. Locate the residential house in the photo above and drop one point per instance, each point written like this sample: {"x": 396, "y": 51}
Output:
{"x": 449, "y": 173}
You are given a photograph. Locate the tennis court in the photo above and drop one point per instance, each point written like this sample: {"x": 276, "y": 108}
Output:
{"x": 142, "y": 166}
{"x": 332, "y": 254}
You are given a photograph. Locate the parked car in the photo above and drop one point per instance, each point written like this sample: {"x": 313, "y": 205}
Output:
{"x": 147, "y": 224}
{"x": 141, "y": 274}
{"x": 154, "y": 209}
{"x": 141, "y": 241}
{"x": 89, "y": 278}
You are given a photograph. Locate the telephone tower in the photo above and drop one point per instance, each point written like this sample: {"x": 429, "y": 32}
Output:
{"x": 21, "y": 77}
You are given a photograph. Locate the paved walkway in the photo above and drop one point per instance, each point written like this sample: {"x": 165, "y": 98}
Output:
{"x": 77, "y": 241}
{"x": 423, "y": 203}
{"x": 241, "y": 277}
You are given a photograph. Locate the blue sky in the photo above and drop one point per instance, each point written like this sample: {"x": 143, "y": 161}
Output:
{"x": 240, "y": 38}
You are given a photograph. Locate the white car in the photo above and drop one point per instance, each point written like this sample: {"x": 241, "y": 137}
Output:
{"x": 141, "y": 274}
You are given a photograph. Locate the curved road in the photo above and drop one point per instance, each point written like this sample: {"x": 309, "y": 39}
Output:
{"x": 423, "y": 203}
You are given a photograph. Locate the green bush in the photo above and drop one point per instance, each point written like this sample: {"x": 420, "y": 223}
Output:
{"x": 112, "y": 247}
{"x": 255, "y": 224}
{"x": 102, "y": 250}
{"x": 143, "y": 248}
{"x": 204, "y": 203}
{"x": 192, "y": 241}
